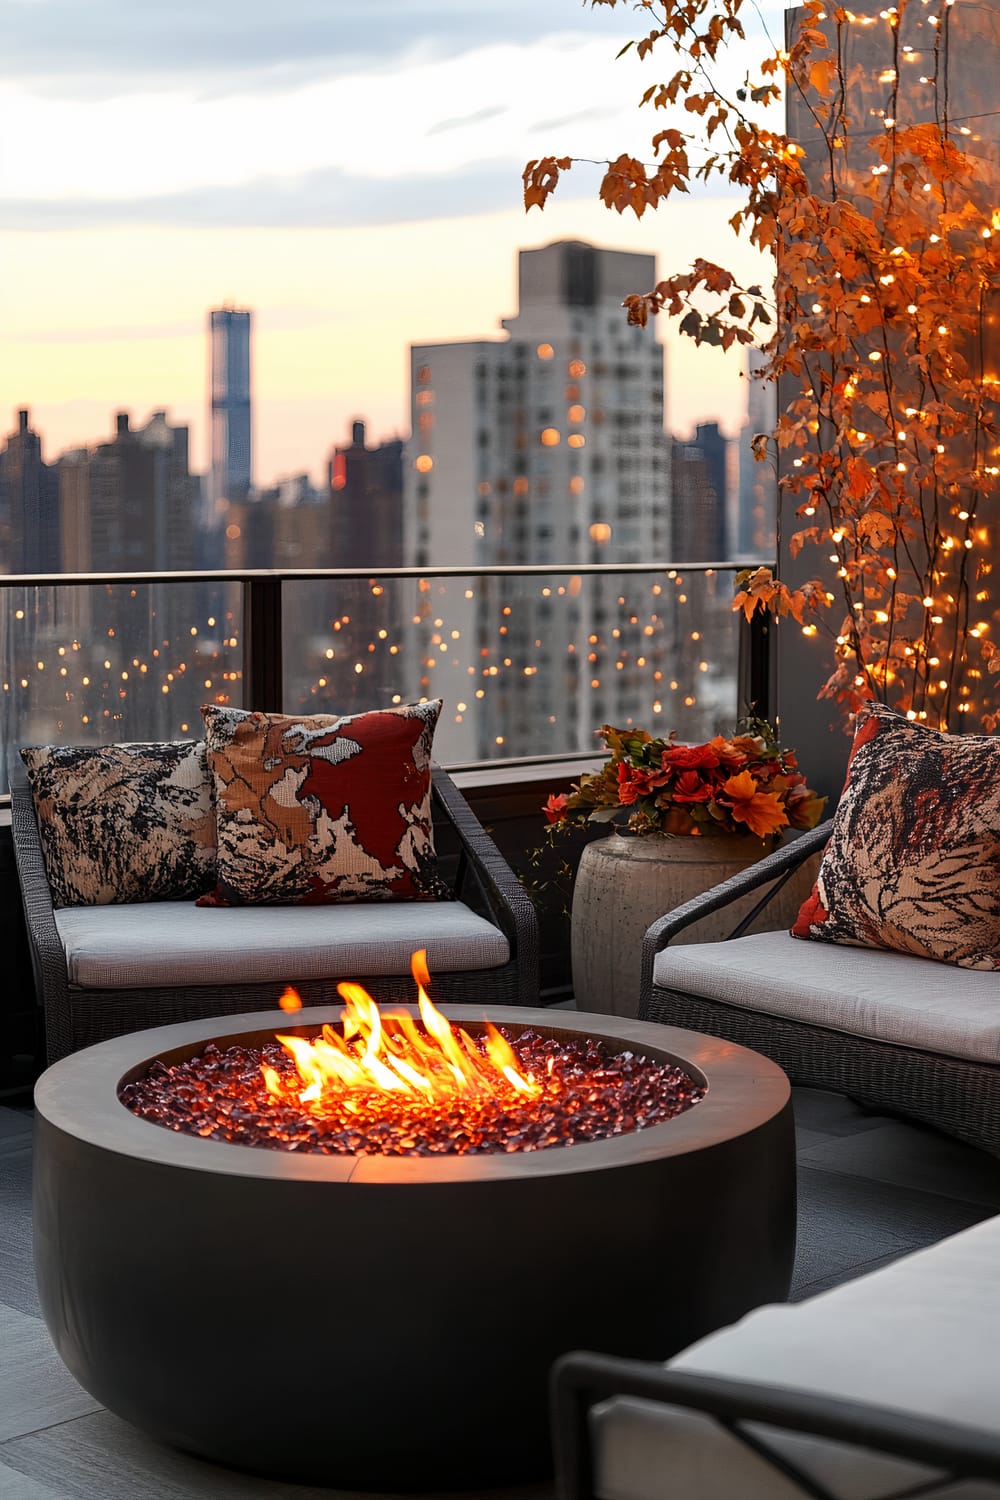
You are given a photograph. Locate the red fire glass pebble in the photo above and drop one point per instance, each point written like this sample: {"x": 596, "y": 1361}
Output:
{"x": 588, "y": 1094}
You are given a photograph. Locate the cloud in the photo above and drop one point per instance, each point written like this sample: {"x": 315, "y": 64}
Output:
{"x": 461, "y": 122}
{"x": 94, "y": 50}
{"x": 561, "y": 121}
{"x": 329, "y": 199}
{"x": 325, "y": 199}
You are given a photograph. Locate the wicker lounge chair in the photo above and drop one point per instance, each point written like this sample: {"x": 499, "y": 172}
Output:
{"x": 482, "y": 947}
{"x": 899, "y": 1033}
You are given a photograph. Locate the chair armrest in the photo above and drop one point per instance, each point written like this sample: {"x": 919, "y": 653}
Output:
{"x": 579, "y": 1380}
{"x": 48, "y": 957}
{"x": 508, "y": 903}
{"x": 776, "y": 867}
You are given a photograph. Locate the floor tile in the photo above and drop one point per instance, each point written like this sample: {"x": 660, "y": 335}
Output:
{"x": 848, "y": 1209}
{"x": 908, "y": 1156}
{"x": 832, "y": 1114}
{"x": 15, "y": 1486}
{"x": 36, "y": 1389}
{"x": 836, "y": 1231}
{"x": 102, "y": 1456}
{"x": 15, "y": 1125}
{"x": 826, "y": 1283}
{"x": 17, "y": 1274}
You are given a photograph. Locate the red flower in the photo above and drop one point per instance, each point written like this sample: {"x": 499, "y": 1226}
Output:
{"x": 555, "y": 808}
{"x": 689, "y": 787}
{"x": 690, "y": 757}
{"x": 632, "y": 783}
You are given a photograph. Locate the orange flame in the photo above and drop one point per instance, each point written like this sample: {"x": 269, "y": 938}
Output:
{"x": 439, "y": 1063}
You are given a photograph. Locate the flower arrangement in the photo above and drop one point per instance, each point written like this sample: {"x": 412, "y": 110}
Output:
{"x": 746, "y": 785}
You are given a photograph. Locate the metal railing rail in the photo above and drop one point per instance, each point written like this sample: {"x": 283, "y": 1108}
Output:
{"x": 263, "y": 598}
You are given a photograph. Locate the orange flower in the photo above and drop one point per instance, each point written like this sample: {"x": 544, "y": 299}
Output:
{"x": 762, "y": 812}
{"x": 555, "y": 808}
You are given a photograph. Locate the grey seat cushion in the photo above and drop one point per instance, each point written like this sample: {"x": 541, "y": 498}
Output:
{"x": 919, "y": 1336}
{"x": 164, "y": 943}
{"x": 869, "y": 992}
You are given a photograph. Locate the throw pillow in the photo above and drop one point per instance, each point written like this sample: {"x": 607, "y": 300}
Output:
{"x": 121, "y": 823}
{"x": 321, "y": 809}
{"x": 913, "y": 862}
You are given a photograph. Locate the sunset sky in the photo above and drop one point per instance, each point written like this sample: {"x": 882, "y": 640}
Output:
{"x": 349, "y": 171}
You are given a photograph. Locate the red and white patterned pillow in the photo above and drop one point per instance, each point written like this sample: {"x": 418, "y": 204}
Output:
{"x": 315, "y": 808}
{"x": 913, "y": 862}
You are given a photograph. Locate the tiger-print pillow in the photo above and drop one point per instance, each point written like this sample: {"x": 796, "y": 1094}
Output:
{"x": 315, "y": 809}
{"x": 913, "y": 862}
{"x": 122, "y": 823}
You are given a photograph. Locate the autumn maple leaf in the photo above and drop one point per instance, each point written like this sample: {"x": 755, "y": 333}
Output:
{"x": 762, "y": 812}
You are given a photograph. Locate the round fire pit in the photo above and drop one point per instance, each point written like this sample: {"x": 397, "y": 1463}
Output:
{"x": 388, "y": 1322}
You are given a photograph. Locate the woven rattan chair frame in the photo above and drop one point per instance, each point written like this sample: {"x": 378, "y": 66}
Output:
{"x": 75, "y": 1017}
{"x": 959, "y": 1097}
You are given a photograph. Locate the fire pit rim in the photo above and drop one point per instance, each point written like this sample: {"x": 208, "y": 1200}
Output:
{"x": 80, "y": 1094}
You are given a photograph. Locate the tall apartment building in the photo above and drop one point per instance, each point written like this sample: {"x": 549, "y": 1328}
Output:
{"x": 544, "y": 446}
{"x": 129, "y": 504}
{"x": 231, "y": 418}
{"x": 756, "y": 522}
{"x": 366, "y": 503}
{"x": 29, "y": 504}
{"x": 700, "y": 485}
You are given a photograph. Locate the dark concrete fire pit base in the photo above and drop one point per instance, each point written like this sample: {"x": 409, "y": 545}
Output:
{"x": 389, "y": 1322}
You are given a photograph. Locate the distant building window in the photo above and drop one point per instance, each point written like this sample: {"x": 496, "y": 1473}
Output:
{"x": 545, "y": 351}
{"x": 550, "y": 437}
{"x": 423, "y": 374}
{"x": 423, "y": 463}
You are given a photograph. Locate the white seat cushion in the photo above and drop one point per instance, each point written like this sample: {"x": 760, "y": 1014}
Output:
{"x": 919, "y": 1336}
{"x": 172, "y": 943}
{"x": 869, "y": 992}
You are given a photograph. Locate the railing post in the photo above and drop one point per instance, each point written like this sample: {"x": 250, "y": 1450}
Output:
{"x": 263, "y": 662}
{"x": 755, "y": 678}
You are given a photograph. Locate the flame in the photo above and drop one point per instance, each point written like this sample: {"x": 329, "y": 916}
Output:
{"x": 438, "y": 1063}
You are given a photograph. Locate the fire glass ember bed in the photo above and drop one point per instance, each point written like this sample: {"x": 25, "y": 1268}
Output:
{"x": 388, "y": 1321}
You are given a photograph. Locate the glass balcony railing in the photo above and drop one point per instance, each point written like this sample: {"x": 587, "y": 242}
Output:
{"x": 529, "y": 661}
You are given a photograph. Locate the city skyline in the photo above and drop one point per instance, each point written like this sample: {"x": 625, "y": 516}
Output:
{"x": 197, "y": 415}
{"x": 359, "y": 187}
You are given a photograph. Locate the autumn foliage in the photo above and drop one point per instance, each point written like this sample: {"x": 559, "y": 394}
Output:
{"x": 884, "y": 216}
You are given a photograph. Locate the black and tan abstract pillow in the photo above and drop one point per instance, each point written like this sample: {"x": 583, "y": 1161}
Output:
{"x": 316, "y": 808}
{"x": 913, "y": 862}
{"x": 123, "y": 823}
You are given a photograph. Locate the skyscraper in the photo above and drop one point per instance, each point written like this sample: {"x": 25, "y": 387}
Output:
{"x": 546, "y": 446}
{"x": 127, "y": 504}
{"x": 699, "y": 476}
{"x": 366, "y": 503}
{"x": 29, "y": 504}
{"x": 232, "y": 450}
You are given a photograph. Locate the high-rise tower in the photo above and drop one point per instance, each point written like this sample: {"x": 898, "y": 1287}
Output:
{"x": 232, "y": 452}
{"x": 546, "y": 446}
